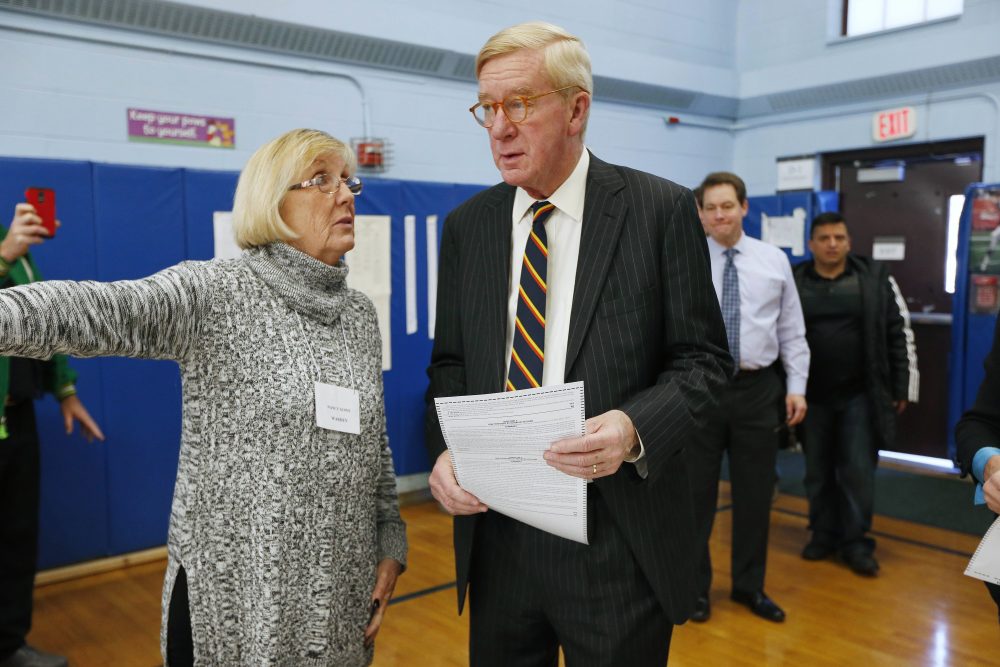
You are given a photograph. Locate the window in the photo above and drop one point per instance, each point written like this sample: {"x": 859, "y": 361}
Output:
{"x": 863, "y": 17}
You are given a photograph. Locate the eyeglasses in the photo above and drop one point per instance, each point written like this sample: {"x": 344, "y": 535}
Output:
{"x": 329, "y": 185}
{"x": 515, "y": 107}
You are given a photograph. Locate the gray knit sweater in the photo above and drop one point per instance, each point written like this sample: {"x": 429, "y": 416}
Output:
{"x": 279, "y": 524}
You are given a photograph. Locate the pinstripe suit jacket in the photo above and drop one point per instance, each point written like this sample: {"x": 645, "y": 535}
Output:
{"x": 646, "y": 337}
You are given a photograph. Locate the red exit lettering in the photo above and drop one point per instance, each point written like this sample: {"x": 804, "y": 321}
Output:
{"x": 894, "y": 124}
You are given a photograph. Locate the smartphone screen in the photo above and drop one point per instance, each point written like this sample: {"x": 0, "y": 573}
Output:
{"x": 44, "y": 201}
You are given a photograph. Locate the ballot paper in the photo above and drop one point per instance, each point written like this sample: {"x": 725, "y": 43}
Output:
{"x": 985, "y": 563}
{"x": 496, "y": 443}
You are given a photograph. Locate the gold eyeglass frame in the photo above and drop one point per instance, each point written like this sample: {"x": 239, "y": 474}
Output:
{"x": 503, "y": 105}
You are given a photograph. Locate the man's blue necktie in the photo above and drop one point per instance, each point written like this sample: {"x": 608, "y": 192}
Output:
{"x": 731, "y": 305}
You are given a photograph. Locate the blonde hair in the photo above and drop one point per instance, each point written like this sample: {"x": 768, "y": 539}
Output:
{"x": 566, "y": 61}
{"x": 265, "y": 180}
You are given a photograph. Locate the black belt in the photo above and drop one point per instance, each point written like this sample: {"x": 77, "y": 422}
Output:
{"x": 747, "y": 373}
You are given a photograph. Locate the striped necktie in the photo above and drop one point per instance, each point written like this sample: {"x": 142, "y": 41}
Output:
{"x": 731, "y": 304}
{"x": 527, "y": 355}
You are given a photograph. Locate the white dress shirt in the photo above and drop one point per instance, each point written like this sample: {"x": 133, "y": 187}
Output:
{"x": 771, "y": 321}
{"x": 562, "y": 231}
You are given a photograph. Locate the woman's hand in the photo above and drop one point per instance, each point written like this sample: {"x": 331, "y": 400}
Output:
{"x": 385, "y": 583}
{"x": 72, "y": 409}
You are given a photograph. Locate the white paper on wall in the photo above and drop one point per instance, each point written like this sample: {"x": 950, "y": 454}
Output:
{"x": 889, "y": 248}
{"x": 222, "y": 230}
{"x": 432, "y": 273}
{"x": 410, "y": 255}
{"x": 785, "y": 231}
{"x": 371, "y": 271}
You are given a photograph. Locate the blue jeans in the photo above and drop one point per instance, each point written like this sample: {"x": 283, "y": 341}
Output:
{"x": 840, "y": 473}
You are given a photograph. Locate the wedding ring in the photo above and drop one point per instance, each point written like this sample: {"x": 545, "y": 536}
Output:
{"x": 595, "y": 468}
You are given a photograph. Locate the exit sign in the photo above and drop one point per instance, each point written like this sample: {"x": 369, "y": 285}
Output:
{"x": 894, "y": 124}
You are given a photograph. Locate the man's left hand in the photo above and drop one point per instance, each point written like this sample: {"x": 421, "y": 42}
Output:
{"x": 900, "y": 406}
{"x": 72, "y": 409}
{"x": 609, "y": 439}
{"x": 991, "y": 483}
{"x": 795, "y": 408}
{"x": 385, "y": 582}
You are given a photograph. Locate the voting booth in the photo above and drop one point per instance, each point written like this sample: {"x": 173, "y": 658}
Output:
{"x": 977, "y": 298}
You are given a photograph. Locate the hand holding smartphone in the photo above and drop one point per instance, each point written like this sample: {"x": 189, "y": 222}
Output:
{"x": 44, "y": 201}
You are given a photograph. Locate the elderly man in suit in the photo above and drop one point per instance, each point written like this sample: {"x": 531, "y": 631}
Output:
{"x": 575, "y": 269}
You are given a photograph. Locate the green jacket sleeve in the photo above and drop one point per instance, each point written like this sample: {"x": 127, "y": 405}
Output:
{"x": 58, "y": 377}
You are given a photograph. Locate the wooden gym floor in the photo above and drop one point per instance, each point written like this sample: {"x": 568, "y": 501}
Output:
{"x": 920, "y": 610}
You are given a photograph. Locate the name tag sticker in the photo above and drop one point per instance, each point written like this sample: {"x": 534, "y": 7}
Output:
{"x": 338, "y": 409}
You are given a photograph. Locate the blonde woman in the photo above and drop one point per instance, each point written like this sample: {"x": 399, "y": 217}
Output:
{"x": 285, "y": 537}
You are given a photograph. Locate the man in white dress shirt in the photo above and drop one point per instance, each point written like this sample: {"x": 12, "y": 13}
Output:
{"x": 764, "y": 323}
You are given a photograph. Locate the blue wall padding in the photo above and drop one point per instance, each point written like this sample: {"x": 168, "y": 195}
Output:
{"x": 140, "y": 230}
{"x": 74, "y": 502}
{"x": 205, "y": 192}
{"x": 124, "y": 222}
{"x": 768, "y": 204}
{"x": 813, "y": 203}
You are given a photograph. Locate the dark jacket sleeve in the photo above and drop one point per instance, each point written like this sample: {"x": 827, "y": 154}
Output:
{"x": 899, "y": 340}
{"x": 59, "y": 377}
{"x": 697, "y": 364}
{"x": 980, "y": 425}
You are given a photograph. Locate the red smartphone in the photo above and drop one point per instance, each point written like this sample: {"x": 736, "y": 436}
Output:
{"x": 44, "y": 201}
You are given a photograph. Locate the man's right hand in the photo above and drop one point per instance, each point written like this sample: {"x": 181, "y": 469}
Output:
{"x": 991, "y": 483}
{"x": 26, "y": 230}
{"x": 454, "y": 499}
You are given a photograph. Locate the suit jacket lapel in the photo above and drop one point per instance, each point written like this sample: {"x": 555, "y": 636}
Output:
{"x": 603, "y": 217}
{"x": 495, "y": 265}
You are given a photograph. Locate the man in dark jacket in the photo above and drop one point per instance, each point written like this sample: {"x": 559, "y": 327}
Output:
{"x": 977, "y": 435}
{"x": 863, "y": 373}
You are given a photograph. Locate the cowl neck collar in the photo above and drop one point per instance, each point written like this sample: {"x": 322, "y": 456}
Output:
{"x": 305, "y": 284}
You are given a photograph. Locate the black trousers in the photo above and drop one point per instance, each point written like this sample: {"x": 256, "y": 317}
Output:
{"x": 531, "y": 592}
{"x": 19, "y": 492}
{"x": 841, "y": 458}
{"x": 180, "y": 644}
{"x": 744, "y": 426}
